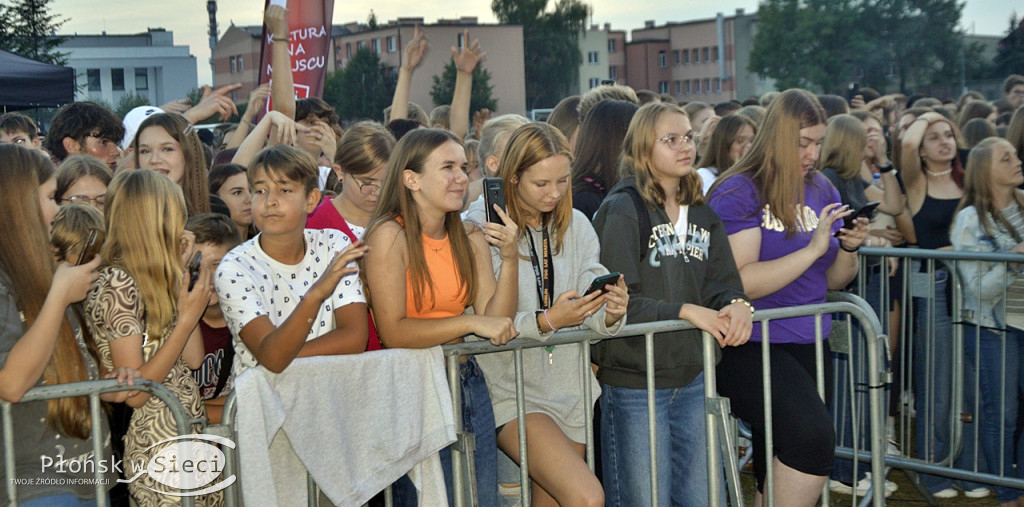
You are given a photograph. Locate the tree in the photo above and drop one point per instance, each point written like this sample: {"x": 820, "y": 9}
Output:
{"x": 444, "y": 88}
{"x": 1010, "y": 57}
{"x": 363, "y": 88}
{"x": 129, "y": 101}
{"x": 826, "y": 44}
{"x": 31, "y": 31}
{"x": 549, "y": 45}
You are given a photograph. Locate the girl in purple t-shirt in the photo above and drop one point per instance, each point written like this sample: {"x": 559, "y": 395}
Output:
{"x": 782, "y": 216}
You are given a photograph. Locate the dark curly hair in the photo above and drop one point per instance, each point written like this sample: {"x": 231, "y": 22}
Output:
{"x": 79, "y": 120}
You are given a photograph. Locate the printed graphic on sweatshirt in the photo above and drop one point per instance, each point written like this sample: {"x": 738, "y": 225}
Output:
{"x": 806, "y": 219}
{"x": 664, "y": 242}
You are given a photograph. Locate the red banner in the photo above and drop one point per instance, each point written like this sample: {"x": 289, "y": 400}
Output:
{"x": 309, "y": 44}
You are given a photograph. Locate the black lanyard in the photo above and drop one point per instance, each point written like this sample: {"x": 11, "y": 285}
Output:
{"x": 545, "y": 273}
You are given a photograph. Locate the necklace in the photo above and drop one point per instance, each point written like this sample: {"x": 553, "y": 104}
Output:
{"x": 437, "y": 249}
{"x": 939, "y": 173}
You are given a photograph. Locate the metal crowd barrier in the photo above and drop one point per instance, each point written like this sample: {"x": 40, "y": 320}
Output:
{"x": 930, "y": 363}
{"x": 93, "y": 389}
{"x": 720, "y": 428}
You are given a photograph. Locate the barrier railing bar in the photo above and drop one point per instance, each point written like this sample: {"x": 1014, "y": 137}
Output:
{"x": 97, "y": 445}
{"x": 525, "y": 493}
{"x": 454, "y": 382}
{"x": 651, "y": 416}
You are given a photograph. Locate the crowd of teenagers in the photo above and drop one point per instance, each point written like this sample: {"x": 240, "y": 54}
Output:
{"x": 139, "y": 248}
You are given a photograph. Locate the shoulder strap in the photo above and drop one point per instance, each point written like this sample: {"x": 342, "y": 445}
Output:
{"x": 225, "y": 368}
{"x": 643, "y": 218}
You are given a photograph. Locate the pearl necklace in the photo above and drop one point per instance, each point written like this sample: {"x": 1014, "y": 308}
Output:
{"x": 939, "y": 173}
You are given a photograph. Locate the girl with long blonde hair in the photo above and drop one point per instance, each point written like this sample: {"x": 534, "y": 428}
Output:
{"x": 143, "y": 313}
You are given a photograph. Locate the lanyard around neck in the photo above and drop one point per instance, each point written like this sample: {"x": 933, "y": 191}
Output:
{"x": 544, "y": 273}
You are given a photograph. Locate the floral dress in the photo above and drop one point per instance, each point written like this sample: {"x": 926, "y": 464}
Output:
{"x": 115, "y": 310}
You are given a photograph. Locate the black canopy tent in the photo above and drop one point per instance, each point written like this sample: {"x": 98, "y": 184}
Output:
{"x": 26, "y": 83}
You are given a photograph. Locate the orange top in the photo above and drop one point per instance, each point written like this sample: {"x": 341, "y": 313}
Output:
{"x": 445, "y": 297}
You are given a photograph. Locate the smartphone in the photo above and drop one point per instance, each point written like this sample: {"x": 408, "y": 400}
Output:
{"x": 852, "y": 90}
{"x": 867, "y": 212}
{"x": 193, "y": 269}
{"x": 91, "y": 248}
{"x": 601, "y": 281}
{"x": 494, "y": 193}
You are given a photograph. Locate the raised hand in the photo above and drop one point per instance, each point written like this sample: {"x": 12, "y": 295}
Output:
{"x": 467, "y": 58}
{"x": 415, "y": 49}
{"x": 214, "y": 103}
{"x": 72, "y": 283}
{"x": 505, "y": 237}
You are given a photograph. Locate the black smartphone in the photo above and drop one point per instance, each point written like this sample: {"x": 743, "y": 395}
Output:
{"x": 193, "y": 269}
{"x": 91, "y": 248}
{"x": 494, "y": 193}
{"x": 852, "y": 90}
{"x": 867, "y": 212}
{"x": 601, "y": 281}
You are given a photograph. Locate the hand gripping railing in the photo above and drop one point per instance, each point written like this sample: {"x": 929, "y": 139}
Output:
{"x": 93, "y": 389}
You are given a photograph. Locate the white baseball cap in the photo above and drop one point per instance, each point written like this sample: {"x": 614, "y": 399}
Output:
{"x": 132, "y": 120}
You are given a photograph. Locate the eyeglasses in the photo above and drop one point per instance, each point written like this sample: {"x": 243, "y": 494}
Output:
{"x": 367, "y": 188}
{"x": 675, "y": 141}
{"x": 97, "y": 201}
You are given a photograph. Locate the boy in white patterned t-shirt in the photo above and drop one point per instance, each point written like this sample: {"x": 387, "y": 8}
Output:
{"x": 290, "y": 291}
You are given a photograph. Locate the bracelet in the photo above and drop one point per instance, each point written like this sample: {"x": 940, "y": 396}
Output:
{"x": 847, "y": 249}
{"x": 744, "y": 301}
{"x": 275, "y": 38}
{"x": 886, "y": 168}
{"x": 546, "y": 319}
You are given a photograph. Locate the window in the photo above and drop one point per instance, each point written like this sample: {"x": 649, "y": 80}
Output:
{"x": 613, "y": 72}
{"x": 662, "y": 60}
{"x": 94, "y": 79}
{"x": 611, "y": 45}
{"x": 142, "y": 79}
{"x": 460, "y": 41}
{"x": 689, "y": 87}
{"x": 695, "y": 55}
{"x": 376, "y": 46}
{"x": 696, "y": 86}
{"x": 717, "y": 84}
{"x": 704, "y": 55}
{"x": 592, "y": 58}
{"x": 663, "y": 87}
{"x": 714, "y": 54}
{"x": 360, "y": 45}
{"x": 679, "y": 87}
{"x": 391, "y": 44}
{"x": 241, "y": 67}
{"x": 348, "y": 50}
{"x": 686, "y": 57}
{"x": 761, "y": 79}
{"x": 117, "y": 80}
{"x": 707, "y": 85}
{"x": 234, "y": 95}
{"x": 595, "y": 82}
{"x": 234, "y": 64}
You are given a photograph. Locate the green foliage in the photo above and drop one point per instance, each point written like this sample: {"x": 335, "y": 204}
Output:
{"x": 362, "y": 89}
{"x": 825, "y": 44}
{"x": 549, "y": 45}
{"x": 1010, "y": 58}
{"x": 28, "y": 29}
{"x": 444, "y": 88}
{"x": 130, "y": 101}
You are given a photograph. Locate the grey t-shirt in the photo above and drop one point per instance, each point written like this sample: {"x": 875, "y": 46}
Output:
{"x": 70, "y": 460}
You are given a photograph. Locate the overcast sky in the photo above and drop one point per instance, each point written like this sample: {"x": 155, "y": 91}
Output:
{"x": 188, "y": 19}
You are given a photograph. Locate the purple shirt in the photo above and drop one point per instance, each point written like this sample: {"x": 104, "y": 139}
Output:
{"x": 736, "y": 201}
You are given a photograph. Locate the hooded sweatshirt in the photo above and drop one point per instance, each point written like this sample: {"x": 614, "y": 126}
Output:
{"x": 663, "y": 271}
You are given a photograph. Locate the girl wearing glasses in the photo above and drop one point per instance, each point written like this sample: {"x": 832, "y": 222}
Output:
{"x": 360, "y": 164}
{"x": 81, "y": 178}
{"x": 782, "y": 216}
{"x": 673, "y": 253}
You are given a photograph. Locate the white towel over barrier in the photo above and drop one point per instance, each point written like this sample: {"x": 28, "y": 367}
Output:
{"x": 357, "y": 423}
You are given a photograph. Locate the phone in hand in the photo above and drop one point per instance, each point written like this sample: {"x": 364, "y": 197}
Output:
{"x": 193, "y": 269}
{"x": 601, "y": 281}
{"x": 867, "y": 212}
{"x": 91, "y": 248}
{"x": 494, "y": 193}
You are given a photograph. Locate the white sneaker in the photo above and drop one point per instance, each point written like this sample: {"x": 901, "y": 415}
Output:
{"x": 863, "y": 486}
{"x": 946, "y": 493}
{"x": 979, "y": 492}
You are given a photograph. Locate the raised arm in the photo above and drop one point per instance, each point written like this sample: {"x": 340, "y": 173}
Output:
{"x": 30, "y": 355}
{"x": 910, "y": 157}
{"x": 275, "y": 121}
{"x": 257, "y": 99}
{"x": 466, "y": 60}
{"x": 890, "y": 196}
{"x": 213, "y": 103}
{"x": 412, "y": 55}
{"x": 282, "y": 88}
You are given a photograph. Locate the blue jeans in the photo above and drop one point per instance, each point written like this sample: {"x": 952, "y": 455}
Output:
{"x": 478, "y": 419}
{"x": 65, "y": 500}
{"x": 681, "y": 445}
{"x": 933, "y": 377}
{"x": 1001, "y": 378}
